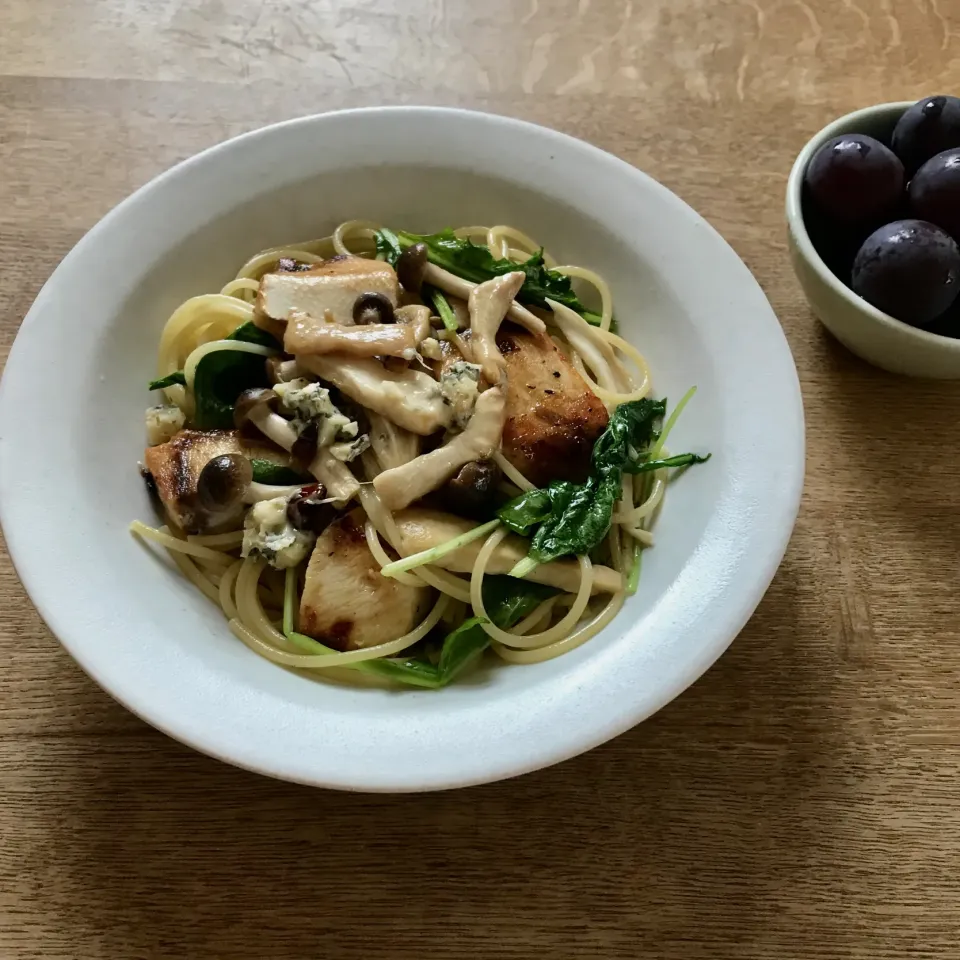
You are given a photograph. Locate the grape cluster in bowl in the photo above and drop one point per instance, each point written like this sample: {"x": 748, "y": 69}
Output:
{"x": 884, "y": 214}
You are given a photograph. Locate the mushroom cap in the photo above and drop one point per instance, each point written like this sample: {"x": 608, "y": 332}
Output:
{"x": 372, "y": 308}
{"x": 250, "y": 400}
{"x": 472, "y": 491}
{"x": 410, "y": 267}
{"x": 223, "y": 482}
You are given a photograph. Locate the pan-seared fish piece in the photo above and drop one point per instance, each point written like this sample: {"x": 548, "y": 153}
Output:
{"x": 346, "y": 602}
{"x": 553, "y": 417}
{"x": 422, "y": 529}
{"x": 176, "y": 465}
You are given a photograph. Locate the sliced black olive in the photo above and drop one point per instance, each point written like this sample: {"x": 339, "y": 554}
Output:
{"x": 306, "y": 511}
{"x": 410, "y": 266}
{"x": 223, "y": 481}
{"x": 472, "y": 492}
{"x": 249, "y": 400}
{"x": 372, "y": 308}
{"x": 304, "y": 448}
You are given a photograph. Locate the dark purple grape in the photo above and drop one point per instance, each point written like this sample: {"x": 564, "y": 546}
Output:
{"x": 909, "y": 269}
{"x": 935, "y": 192}
{"x": 855, "y": 178}
{"x": 929, "y": 127}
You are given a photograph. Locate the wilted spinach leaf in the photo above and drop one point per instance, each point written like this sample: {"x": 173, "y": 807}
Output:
{"x": 222, "y": 376}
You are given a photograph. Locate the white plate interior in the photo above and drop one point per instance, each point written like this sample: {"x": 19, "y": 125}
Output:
{"x": 681, "y": 295}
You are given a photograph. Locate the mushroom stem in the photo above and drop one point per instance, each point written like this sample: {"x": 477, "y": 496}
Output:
{"x": 274, "y": 426}
{"x": 268, "y": 491}
{"x": 450, "y": 283}
{"x": 334, "y": 475}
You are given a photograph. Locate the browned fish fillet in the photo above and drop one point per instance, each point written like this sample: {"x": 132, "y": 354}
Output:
{"x": 346, "y": 602}
{"x": 176, "y": 467}
{"x": 553, "y": 417}
{"x": 422, "y": 529}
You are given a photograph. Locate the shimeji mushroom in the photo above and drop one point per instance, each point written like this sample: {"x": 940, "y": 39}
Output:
{"x": 489, "y": 303}
{"x": 400, "y": 486}
{"x": 227, "y": 481}
{"x": 472, "y": 491}
{"x": 258, "y": 406}
{"x": 410, "y": 267}
{"x": 372, "y": 307}
{"x": 450, "y": 283}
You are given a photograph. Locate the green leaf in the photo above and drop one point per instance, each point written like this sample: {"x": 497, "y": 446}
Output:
{"x": 574, "y": 518}
{"x": 266, "y": 471}
{"x": 388, "y": 246}
{"x": 169, "y": 380}
{"x": 631, "y": 425}
{"x": 461, "y": 647}
{"x": 534, "y": 506}
{"x": 442, "y": 305}
{"x": 223, "y": 375}
{"x": 583, "y": 523}
{"x": 508, "y": 600}
{"x": 681, "y": 460}
{"x": 250, "y": 333}
{"x": 476, "y": 263}
{"x": 219, "y": 379}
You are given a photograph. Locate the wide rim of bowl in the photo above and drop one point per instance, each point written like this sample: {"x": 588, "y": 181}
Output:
{"x": 755, "y": 569}
{"x": 795, "y": 221}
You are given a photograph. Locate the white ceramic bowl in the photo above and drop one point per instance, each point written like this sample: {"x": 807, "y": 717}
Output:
{"x": 71, "y": 434}
{"x": 870, "y": 333}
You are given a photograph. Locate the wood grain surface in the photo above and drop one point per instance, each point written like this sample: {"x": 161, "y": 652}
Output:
{"x": 801, "y": 801}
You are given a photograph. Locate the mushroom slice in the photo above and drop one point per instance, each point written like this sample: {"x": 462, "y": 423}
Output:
{"x": 305, "y": 334}
{"x": 392, "y": 445}
{"x": 422, "y": 529}
{"x": 346, "y": 602}
{"x": 488, "y": 305}
{"x": 450, "y": 283}
{"x": 409, "y": 398}
{"x": 402, "y": 485}
{"x": 333, "y": 285}
{"x": 176, "y": 467}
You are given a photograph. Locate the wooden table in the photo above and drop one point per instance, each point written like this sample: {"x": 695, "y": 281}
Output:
{"x": 801, "y": 801}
